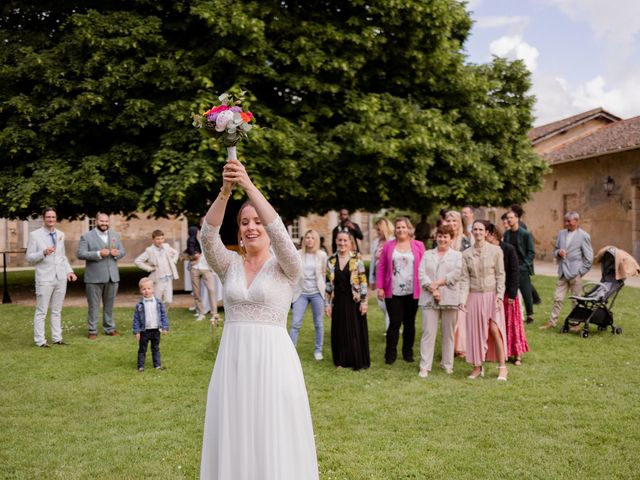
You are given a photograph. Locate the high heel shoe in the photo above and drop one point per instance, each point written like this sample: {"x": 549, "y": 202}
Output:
{"x": 502, "y": 373}
{"x": 480, "y": 373}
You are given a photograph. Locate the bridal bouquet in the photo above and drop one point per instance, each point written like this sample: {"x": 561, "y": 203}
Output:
{"x": 227, "y": 122}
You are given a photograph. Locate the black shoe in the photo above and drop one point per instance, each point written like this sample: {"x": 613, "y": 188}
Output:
{"x": 529, "y": 319}
{"x": 44, "y": 345}
{"x": 408, "y": 359}
{"x": 60, "y": 342}
{"x": 389, "y": 361}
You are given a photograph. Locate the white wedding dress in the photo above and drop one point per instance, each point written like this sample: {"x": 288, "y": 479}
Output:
{"x": 258, "y": 423}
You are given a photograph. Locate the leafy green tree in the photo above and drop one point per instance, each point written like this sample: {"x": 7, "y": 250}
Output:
{"x": 363, "y": 104}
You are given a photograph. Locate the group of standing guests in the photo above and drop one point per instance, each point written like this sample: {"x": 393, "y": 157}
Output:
{"x": 468, "y": 283}
{"x": 335, "y": 285}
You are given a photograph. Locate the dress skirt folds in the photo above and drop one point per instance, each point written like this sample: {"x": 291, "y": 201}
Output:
{"x": 481, "y": 309}
{"x": 257, "y": 424}
{"x": 516, "y": 338}
{"x": 460, "y": 334}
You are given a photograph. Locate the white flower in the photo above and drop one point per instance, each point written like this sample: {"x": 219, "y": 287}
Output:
{"x": 223, "y": 119}
{"x": 224, "y": 99}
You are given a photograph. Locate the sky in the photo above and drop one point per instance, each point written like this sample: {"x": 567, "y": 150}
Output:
{"x": 583, "y": 54}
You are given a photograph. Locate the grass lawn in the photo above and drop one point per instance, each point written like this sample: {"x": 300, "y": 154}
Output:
{"x": 84, "y": 412}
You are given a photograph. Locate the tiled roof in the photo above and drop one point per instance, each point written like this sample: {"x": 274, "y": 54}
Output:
{"x": 618, "y": 136}
{"x": 538, "y": 133}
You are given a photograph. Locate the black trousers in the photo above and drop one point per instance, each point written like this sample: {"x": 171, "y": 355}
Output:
{"x": 402, "y": 311}
{"x": 149, "y": 336}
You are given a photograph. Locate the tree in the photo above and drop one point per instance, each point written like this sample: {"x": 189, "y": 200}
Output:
{"x": 364, "y": 104}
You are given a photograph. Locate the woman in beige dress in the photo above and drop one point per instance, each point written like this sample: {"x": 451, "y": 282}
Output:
{"x": 482, "y": 289}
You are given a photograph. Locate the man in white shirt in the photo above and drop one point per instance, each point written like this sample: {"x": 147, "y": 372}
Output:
{"x": 45, "y": 250}
{"x": 101, "y": 248}
{"x": 468, "y": 217}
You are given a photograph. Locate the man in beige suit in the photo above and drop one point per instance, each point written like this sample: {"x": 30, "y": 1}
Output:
{"x": 45, "y": 250}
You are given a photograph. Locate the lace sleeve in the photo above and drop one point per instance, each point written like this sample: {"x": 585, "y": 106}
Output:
{"x": 217, "y": 255}
{"x": 284, "y": 249}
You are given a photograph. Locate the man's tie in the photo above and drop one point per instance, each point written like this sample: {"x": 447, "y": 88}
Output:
{"x": 53, "y": 238}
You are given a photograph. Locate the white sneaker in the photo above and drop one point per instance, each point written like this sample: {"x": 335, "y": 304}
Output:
{"x": 318, "y": 356}
{"x": 192, "y": 309}
{"x": 199, "y": 318}
{"x": 423, "y": 373}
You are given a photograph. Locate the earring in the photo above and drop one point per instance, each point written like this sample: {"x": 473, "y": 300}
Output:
{"x": 241, "y": 244}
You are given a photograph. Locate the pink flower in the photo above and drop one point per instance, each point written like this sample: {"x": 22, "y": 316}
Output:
{"x": 219, "y": 108}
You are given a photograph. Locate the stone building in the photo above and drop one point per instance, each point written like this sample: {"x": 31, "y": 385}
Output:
{"x": 595, "y": 170}
{"x": 135, "y": 234}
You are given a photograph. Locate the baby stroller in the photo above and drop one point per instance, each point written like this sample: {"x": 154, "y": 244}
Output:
{"x": 595, "y": 303}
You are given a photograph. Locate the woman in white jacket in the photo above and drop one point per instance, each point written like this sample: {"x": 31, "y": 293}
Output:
{"x": 310, "y": 290}
{"x": 439, "y": 273}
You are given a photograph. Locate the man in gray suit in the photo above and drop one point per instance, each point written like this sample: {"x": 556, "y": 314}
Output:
{"x": 45, "y": 250}
{"x": 575, "y": 256}
{"x": 101, "y": 248}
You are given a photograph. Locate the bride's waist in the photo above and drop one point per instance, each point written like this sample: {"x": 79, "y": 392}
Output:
{"x": 255, "y": 313}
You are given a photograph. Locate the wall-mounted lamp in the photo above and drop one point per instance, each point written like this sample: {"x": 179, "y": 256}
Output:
{"x": 609, "y": 185}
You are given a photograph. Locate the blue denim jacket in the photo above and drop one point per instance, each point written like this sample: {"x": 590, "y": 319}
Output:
{"x": 139, "y": 320}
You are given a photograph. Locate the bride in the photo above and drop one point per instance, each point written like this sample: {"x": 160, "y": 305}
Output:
{"x": 257, "y": 424}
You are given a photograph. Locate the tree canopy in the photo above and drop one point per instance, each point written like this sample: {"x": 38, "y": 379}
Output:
{"x": 362, "y": 104}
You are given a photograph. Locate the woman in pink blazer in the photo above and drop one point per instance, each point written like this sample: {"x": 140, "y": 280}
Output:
{"x": 398, "y": 285}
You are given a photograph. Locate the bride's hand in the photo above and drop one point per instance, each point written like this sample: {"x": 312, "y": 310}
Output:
{"x": 234, "y": 172}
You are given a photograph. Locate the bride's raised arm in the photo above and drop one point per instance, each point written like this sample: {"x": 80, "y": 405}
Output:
{"x": 282, "y": 244}
{"x": 217, "y": 255}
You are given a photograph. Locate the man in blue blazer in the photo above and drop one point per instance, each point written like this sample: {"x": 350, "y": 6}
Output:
{"x": 101, "y": 249}
{"x": 574, "y": 254}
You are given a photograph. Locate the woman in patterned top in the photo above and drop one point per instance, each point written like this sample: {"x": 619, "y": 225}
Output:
{"x": 347, "y": 304}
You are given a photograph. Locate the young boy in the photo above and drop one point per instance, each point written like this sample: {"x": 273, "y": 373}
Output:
{"x": 149, "y": 317}
{"x": 160, "y": 260}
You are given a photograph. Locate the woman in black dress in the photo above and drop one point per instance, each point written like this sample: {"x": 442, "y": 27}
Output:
{"x": 346, "y": 304}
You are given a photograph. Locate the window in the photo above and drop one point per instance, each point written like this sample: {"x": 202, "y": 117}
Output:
{"x": 295, "y": 229}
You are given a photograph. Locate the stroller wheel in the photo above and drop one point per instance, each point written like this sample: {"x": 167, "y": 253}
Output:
{"x": 564, "y": 329}
{"x": 584, "y": 334}
{"x": 618, "y": 330}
